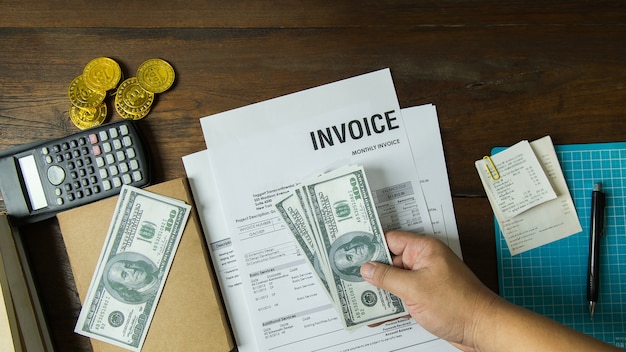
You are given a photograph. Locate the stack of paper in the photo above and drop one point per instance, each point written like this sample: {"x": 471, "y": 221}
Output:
{"x": 258, "y": 153}
{"x": 530, "y": 212}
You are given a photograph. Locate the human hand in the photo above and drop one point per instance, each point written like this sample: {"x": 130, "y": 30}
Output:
{"x": 439, "y": 290}
{"x": 448, "y": 300}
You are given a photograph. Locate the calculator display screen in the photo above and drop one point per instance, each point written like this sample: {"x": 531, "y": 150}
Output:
{"x": 34, "y": 187}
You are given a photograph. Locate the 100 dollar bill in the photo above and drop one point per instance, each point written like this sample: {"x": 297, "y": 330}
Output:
{"x": 334, "y": 222}
{"x": 293, "y": 211}
{"x": 133, "y": 265}
{"x": 350, "y": 235}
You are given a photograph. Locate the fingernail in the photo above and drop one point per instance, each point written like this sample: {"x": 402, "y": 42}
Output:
{"x": 367, "y": 270}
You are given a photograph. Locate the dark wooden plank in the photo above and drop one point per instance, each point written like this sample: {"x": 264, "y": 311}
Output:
{"x": 491, "y": 87}
{"x": 305, "y": 14}
{"x": 478, "y": 243}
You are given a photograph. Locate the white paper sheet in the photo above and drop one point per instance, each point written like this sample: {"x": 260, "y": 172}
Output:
{"x": 207, "y": 201}
{"x": 522, "y": 184}
{"x": 422, "y": 127}
{"x": 287, "y": 309}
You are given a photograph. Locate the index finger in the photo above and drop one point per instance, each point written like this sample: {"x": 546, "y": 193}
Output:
{"x": 398, "y": 240}
{"x": 407, "y": 248}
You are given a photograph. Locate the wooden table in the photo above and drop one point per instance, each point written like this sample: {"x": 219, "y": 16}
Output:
{"x": 498, "y": 72}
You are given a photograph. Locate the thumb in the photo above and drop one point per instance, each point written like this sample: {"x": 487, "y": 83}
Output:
{"x": 387, "y": 277}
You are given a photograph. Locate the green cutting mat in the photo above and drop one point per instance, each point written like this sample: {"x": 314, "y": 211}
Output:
{"x": 551, "y": 280}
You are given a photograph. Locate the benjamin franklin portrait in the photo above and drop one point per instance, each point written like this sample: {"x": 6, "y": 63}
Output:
{"x": 353, "y": 249}
{"x": 131, "y": 277}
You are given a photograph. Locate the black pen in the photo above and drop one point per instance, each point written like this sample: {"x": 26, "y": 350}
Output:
{"x": 595, "y": 233}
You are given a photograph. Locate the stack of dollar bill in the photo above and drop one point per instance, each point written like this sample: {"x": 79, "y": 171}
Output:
{"x": 130, "y": 274}
{"x": 333, "y": 219}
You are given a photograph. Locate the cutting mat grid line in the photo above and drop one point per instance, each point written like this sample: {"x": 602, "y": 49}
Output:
{"x": 551, "y": 280}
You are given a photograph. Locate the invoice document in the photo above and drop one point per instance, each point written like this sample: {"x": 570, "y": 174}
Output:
{"x": 257, "y": 153}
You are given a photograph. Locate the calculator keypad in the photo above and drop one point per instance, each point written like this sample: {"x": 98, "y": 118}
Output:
{"x": 88, "y": 165}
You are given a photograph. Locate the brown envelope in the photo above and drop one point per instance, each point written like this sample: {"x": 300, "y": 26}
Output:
{"x": 190, "y": 315}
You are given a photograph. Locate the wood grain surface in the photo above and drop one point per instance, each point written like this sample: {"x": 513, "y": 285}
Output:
{"x": 498, "y": 72}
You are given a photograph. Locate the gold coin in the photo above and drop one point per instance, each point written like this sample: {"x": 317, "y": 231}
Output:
{"x": 82, "y": 96}
{"x": 85, "y": 119}
{"x": 132, "y": 95}
{"x": 155, "y": 75}
{"x": 133, "y": 99}
{"x": 123, "y": 113}
{"x": 102, "y": 74}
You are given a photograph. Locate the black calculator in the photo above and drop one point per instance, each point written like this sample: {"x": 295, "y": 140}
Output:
{"x": 40, "y": 179}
